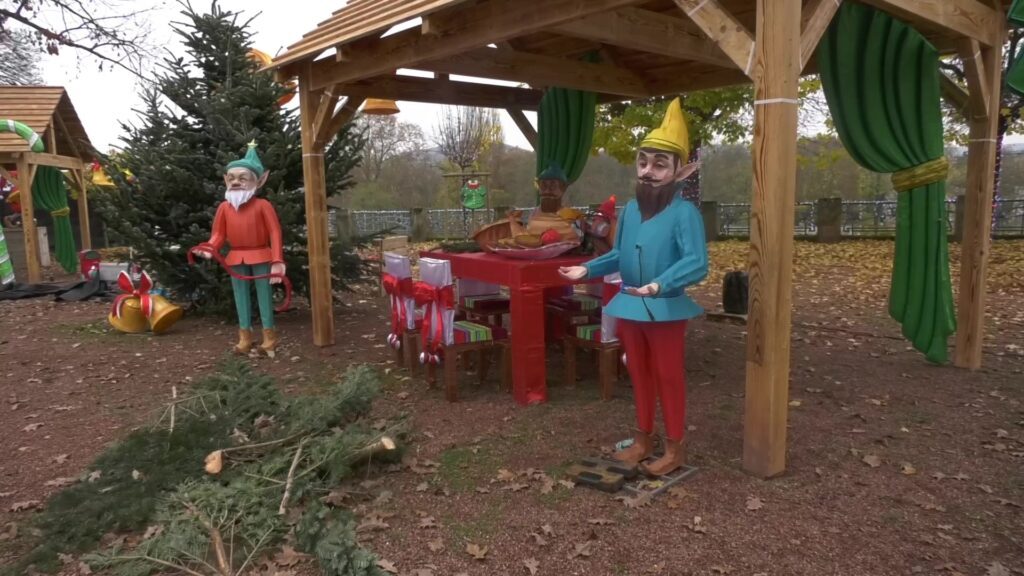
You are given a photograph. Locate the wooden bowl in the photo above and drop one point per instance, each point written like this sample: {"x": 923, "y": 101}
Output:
{"x": 487, "y": 236}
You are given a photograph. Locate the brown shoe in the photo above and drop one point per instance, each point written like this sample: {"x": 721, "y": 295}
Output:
{"x": 244, "y": 341}
{"x": 269, "y": 344}
{"x": 642, "y": 447}
{"x": 674, "y": 458}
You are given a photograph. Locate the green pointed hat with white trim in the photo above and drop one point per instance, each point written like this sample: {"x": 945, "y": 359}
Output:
{"x": 251, "y": 161}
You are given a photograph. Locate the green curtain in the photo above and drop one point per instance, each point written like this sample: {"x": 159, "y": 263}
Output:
{"x": 50, "y": 194}
{"x": 565, "y": 130}
{"x": 881, "y": 80}
{"x": 1015, "y": 75}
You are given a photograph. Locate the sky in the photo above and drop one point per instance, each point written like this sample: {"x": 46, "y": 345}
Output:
{"x": 105, "y": 98}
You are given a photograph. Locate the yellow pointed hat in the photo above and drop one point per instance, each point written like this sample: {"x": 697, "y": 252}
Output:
{"x": 672, "y": 135}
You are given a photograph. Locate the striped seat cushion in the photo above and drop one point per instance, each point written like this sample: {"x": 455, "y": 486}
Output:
{"x": 485, "y": 302}
{"x": 589, "y": 332}
{"x": 584, "y": 302}
{"x": 466, "y": 332}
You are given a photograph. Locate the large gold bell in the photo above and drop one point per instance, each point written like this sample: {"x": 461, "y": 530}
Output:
{"x": 132, "y": 321}
{"x": 380, "y": 107}
{"x": 164, "y": 315}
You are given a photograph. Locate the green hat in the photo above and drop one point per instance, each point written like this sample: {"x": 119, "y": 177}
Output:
{"x": 553, "y": 172}
{"x": 250, "y": 161}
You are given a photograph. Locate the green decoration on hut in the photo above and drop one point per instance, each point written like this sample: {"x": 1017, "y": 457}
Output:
{"x": 474, "y": 195}
{"x": 50, "y": 193}
{"x": 1015, "y": 75}
{"x": 565, "y": 129}
{"x": 881, "y": 80}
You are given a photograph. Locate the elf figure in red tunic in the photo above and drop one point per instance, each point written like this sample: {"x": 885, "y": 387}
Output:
{"x": 252, "y": 231}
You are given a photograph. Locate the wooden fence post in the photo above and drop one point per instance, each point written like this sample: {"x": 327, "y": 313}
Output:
{"x": 828, "y": 219}
{"x": 419, "y": 225}
{"x": 709, "y": 213}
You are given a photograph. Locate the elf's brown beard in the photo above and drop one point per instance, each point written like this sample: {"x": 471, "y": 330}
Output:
{"x": 653, "y": 199}
{"x": 550, "y": 204}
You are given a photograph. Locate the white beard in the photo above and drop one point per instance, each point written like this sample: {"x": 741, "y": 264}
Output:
{"x": 238, "y": 197}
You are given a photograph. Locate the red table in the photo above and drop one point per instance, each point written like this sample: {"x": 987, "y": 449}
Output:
{"x": 526, "y": 281}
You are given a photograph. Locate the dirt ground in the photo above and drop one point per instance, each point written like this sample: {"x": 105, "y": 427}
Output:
{"x": 894, "y": 466}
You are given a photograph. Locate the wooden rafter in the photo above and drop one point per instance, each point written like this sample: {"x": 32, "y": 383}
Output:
{"x": 486, "y": 22}
{"x": 529, "y": 132}
{"x": 533, "y": 69}
{"x": 441, "y": 91}
{"x": 325, "y": 109}
{"x": 646, "y": 31}
{"x": 954, "y": 94}
{"x": 724, "y": 29}
{"x": 974, "y": 70}
{"x": 968, "y": 18}
{"x": 816, "y": 17}
{"x": 684, "y": 79}
{"x": 39, "y": 158}
{"x": 330, "y": 128}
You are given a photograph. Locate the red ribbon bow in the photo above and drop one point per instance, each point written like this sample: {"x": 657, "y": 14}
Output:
{"x": 399, "y": 289}
{"x": 130, "y": 290}
{"x": 437, "y": 300}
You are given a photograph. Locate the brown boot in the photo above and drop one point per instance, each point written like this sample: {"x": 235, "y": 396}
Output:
{"x": 244, "y": 341}
{"x": 269, "y": 344}
{"x": 674, "y": 458}
{"x": 642, "y": 447}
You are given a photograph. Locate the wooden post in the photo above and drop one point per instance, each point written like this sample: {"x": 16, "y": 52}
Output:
{"x": 981, "y": 160}
{"x": 419, "y": 225}
{"x": 26, "y": 173}
{"x": 318, "y": 244}
{"x": 709, "y": 213}
{"x": 83, "y": 210}
{"x": 828, "y": 219}
{"x": 776, "y": 75}
{"x": 343, "y": 224}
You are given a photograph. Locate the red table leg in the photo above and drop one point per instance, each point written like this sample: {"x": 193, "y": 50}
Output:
{"x": 529, "y": 367}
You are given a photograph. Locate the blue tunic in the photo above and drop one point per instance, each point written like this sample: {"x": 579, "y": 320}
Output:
{"x": 669, "y": 249}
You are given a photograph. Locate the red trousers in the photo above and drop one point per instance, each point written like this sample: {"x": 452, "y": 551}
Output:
{"x": 655, "y": 358}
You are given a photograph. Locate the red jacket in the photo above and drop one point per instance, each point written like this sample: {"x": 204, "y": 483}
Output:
{"x": 253, "y": 233}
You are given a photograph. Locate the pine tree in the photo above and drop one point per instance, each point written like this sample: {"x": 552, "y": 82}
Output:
{"x": 203, "y": 109}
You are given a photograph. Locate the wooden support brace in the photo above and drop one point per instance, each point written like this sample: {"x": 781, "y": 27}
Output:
{"x": 954, "y": 94}
{"x": 816, "y": 17}
{"x": 529, "y": 132}
{"x": 977, "y": 84}
{"x": 340, "y": 118}
{"x": 26, "y": 174}
{"x": 83, "y": 211}
{"x": 724, "y": 29}
{"x": 324, "y": 111}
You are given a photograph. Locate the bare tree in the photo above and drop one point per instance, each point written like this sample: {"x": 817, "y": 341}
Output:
{"x": 112, "y": 31}
{"x": 463, "y": 134}
{"x": 386, "y": 138}
{"x": 19, "y": 61}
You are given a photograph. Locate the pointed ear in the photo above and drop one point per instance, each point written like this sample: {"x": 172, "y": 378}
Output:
{"x": 687, "y": 170}
{"x": 226, "y": 183}
{"x": 263, "y": 179}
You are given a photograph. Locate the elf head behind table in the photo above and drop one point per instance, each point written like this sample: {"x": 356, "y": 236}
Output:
{"x": 252, "y": 231}
{"x": 659, "y": 250}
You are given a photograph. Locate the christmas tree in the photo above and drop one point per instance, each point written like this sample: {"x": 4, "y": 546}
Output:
{"x": 200, "y": 113}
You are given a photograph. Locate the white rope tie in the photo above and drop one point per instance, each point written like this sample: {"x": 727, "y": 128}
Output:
{"x": 699, "y": 6}
{"x": 775, "y": 101}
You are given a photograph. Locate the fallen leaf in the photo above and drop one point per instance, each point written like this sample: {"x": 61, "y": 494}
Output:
{"x": 372, "y": 523}
{"x": 32, "y": 427}
{"x": 60, "y": 482}
{"x": 1005, "y": 502}
{"x": 938, "y": 475}
{"x": 60, "y": 458}
{"x": 961, "y": 476}
{"x": 997, "y": 569}
{"x": 531, "y": 565}
{"x": 94, "y": 475}
{"x": 136, "y": 475}
{"x": 795, "y": 403}
{"x": 581, "y": 550}
{"x": 1000, "y": 433}
{"x": 547, "y": 530}
{"x": 402, "y": 395}
{"x": 697, "y": 525}
{"x": 483, "y": 490}
{"x": 872, "y": 460}
{"x": 754, "y": 503}
{"x": 289, "y": 556}
{"x": 679, "y": 492}
{"x": 476, "y": 551}
{"x": 635, "y": 502}
{"x": 567, "y": 483}
{"x": 907, "y": 469}
{"x": 152, "y": 531}
{"x": 984, "y": 488}
{"x": 600, "y": 521}
{"x": 428, "y": 522}
{"x": 548, "y": 486}
{"x": 84, "y": 569}
{"x": 25, "y": 505}
{"x": 10, "y": 532}
{"x": 516, "y": 487}
{"x": 505, "y": 475}
{"x": 721, "y": 569}
{"x": 387, "y": 566}
{"x": 538, "y": 539}
{"x": 422, "y": 487}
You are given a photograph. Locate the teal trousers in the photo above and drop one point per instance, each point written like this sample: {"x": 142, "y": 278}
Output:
{"x": 243, "y": 295}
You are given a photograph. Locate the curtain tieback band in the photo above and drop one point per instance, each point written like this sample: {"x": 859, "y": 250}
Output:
{"x": 921, "y": 175}
{"x": 65, "y": 211}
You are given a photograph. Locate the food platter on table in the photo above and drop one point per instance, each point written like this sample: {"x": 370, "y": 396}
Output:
{"x": 539, "y": 253}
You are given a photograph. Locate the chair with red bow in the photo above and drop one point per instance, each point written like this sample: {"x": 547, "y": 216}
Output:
{"x": 597, "y": 336}
{"x": 396, "y": 281}
{"x": 444, "y": 339}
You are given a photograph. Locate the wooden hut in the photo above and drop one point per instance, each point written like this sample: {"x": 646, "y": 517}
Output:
{"x": 648, "y": 48}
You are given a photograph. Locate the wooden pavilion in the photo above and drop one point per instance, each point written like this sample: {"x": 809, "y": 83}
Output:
{"x": 648, "y": 48}
{"x": 47, "y": 110}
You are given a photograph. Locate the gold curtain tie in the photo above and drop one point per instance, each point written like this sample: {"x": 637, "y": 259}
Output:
{"x": 921, "y": 175}
{"x": 65, "y": 211}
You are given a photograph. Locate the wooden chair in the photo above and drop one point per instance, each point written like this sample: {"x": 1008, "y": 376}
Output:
{"x": 564, "y": 313}
{"x": 403, "y": 336}
{"x": 599, "y": 337}
{"x": 482, "y": 301}
{"x": 393, "y": 244}
{"x": 444, "y": 339}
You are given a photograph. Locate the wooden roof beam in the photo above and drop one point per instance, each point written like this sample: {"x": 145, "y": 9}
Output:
{"x": 438, "y": 91}
{"x": 953, "y": 94}
{"x": 724, "y": 29}
{"x": 529, "y": 132}
{"x": 816, "y": 17}
{"x": 534, "y": 69}
{"x": 487, "y": 22}
{"x": 974, "y": 70}
{"x": 965, "y": 18}
{"x": 646, "y": 31}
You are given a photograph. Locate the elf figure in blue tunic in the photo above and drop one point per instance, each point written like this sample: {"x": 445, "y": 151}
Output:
{"x": 659, "y": 250}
